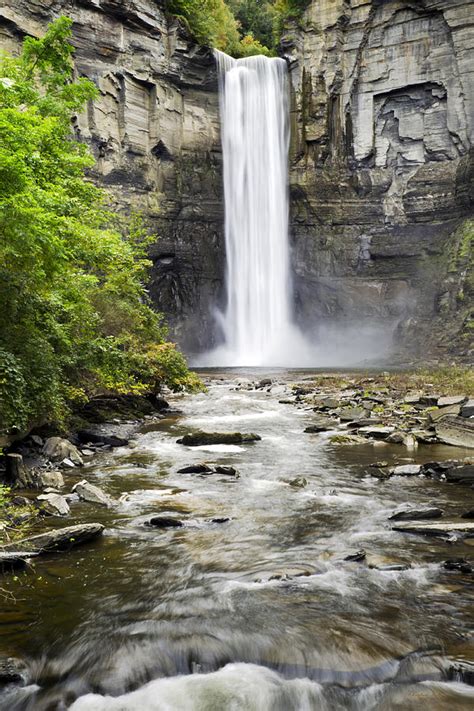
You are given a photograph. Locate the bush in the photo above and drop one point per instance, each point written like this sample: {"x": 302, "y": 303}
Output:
{"x": 75, "y": 318}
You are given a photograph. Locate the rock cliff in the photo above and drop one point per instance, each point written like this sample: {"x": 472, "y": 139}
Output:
{"x": 382, "y": 166}
{"x": 381, "y": 158}
{"x": 155, "y": 134}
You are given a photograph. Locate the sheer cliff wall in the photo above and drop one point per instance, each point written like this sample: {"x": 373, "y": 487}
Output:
{"x": 382, "y": 166}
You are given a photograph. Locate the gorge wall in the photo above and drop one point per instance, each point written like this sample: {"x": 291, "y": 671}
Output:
{"x": 382, "y": 167}
{"x": 155, "y": 134}
{"x": 381, "y": 158}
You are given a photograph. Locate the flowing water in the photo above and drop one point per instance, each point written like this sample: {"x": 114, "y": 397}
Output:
{"x": 260, "y": 612}
{"x": 257, "y": 323}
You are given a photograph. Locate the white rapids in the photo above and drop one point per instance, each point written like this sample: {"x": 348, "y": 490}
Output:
{"x": 257, "y": 324}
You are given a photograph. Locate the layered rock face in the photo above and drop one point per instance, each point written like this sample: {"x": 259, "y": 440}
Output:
{"x": 155, "y": 133}
{"x": 381, "y": 158}
{"x": 381, "y": 177}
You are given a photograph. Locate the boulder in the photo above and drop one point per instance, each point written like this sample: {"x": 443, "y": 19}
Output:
{"x": 447, "y": 528}
{"x": 357, "y": 557}
{"x": 323, "y": 425}
{"x": 93, "y": 437}
{"x": 460, "y": 475}
{"x": 468, "y": 514}
{"x": 352, "y": 414}
{"x": 459, "y": 564}
{"x": 223, "y": 519}
{"x": 396, "y": 438}
{"x": 58, "y": 449}
{"x": 451, "y": 400}
{"x": 164, "y": 522}
{"x": 91, "y": 493}
{"x": 347, "y": 439}
{"x": 54, "y": 504}
{"x": 329, "y": 403}
{"x": 197, "y": 439}
{"x": 437, "y": 414}
{"x": 467, "y": 410}
{"x": 413, "y": 514}
{"x": 58, "y": 539}
{"x": 264, "y": 383}
{"x": 406, "y": 470}
{"x": 376, "y": 432}
{"x": 196, "y": 469}
{"x": 11, "y": 670}
{"x": 458, "y": 431}
{"x": 299, "y": 482}
{"x": 49, "y": 478}
{"x": 226, "y": 471}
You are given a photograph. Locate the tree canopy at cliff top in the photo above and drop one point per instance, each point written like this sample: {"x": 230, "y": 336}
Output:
{"x": 239, "y": 27}
{"x": 75, "y": 318}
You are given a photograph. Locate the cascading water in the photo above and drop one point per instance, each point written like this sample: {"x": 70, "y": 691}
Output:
{"x": 257, "y": 323}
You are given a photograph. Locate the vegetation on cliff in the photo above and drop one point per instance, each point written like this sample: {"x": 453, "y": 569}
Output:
{"x": 75, "y": 316}
{"x": 239, "y": 27}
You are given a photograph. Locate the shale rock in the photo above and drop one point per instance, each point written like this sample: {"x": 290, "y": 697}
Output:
{"x": 196, "y": 469}
{"x": 58, "y": 539}
{"x": 197, "y": 439}
{"x": 165, "y": 522}
{"x": 448, "y": 528}
{"x": 406, "y": 470}
{"x": 414, "y": 514}
{"x": 458, "y": 431}
{"x": 54, "y": 504}
{"x": 91, "y": 493}
{"x": 58, "y": 449}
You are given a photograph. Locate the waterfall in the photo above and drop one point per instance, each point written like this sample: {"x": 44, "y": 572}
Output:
{"x": 257, "y": 322}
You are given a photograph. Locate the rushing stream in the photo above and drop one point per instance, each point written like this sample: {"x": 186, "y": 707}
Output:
{"x": 260, "y": 612}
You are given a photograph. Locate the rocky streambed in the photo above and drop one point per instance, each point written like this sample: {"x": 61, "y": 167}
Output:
{"x": 290, "y": 541}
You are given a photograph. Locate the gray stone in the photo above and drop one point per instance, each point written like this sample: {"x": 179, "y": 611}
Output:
{"x": 396, "y": 438}
{"x": 58, "y": 539}
{"x": 467, "y": 410}
{"x": 376, "y": 432}
{"x": 196, "y": 469}
{"x": 49, "y": 478}
{"x": 458, "y": 431}
{"x": 460, "y": 474}
{"x": 58, "y": 449}
{"x": 451, "y": 400}
{"x": 414, "y": 514}
{"x": 54, "y": 504}
{"x": 436, "y": 415}
{"x": 352, "y": 414}
{"x": 447, "y": 528}
{"x": 198, "y": 439}
{"x": 91, "y": 493}
{"x": 406, "y": 470}
{"x": 164, "y": 522}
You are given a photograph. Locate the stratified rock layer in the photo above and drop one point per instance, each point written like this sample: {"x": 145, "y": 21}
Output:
{"x": 382, "y": 118}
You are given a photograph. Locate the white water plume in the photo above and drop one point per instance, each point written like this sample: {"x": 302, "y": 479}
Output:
{"x": 257, "y": 323}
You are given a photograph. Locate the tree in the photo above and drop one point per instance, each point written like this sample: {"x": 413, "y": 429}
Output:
{"x": 75, "y": 316}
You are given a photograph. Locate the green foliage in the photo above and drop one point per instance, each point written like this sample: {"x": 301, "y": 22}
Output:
{"x": 255, "y": 18}
{"x": 75, "y": 317}
{"x": 239, "y": 27}
{"x": 284, "y": 10}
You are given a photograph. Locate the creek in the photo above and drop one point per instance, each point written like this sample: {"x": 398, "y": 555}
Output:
{"x": 258, "y": 612}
